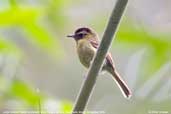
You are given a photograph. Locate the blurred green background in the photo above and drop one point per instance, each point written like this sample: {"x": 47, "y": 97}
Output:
{"x": 40, "y": 71}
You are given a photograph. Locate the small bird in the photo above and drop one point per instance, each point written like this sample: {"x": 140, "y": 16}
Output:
{"x": 87, "y": 42}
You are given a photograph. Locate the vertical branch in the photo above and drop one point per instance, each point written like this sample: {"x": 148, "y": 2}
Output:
{"x": 91, "y": 77}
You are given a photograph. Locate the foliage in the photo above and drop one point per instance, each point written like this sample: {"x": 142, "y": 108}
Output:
{"x": 26, "y": 19}
{"x": 158, "y": 46}
{"x": 8, "y": 47}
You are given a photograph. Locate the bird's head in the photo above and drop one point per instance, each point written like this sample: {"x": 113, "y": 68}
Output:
{"x": 83, "y": 33}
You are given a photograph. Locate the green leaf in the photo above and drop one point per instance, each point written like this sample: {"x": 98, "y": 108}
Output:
{"x": 23, "y": 92}
{"x": 154, "y": 62}
{"x": 9, "y": 47}
{"x": 17, "y": 16}
{"x": 42, "y": 38}
{"x": 66, "y": 107}
{"x": 26, "y": 17}
{"x": 158, "y": 46}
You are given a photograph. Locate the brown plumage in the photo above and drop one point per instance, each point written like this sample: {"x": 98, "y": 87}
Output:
{"x": 87, "y": 44}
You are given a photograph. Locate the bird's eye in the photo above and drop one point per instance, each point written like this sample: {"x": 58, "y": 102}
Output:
{"x": 81, "y": 35}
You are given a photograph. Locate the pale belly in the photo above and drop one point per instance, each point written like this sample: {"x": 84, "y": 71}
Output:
{"x": 86, "y": 53}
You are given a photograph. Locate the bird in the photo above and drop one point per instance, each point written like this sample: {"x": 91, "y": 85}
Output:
{"x": 87, "y": 42}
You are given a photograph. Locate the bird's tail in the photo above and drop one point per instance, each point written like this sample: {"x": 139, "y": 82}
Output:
{"x": 121, "y": 84}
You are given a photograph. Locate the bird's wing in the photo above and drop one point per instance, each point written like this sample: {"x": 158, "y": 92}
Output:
{"x": 95, "y": 43}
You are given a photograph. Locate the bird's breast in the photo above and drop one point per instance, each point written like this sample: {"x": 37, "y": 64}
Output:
{"x": 85, "y": 52}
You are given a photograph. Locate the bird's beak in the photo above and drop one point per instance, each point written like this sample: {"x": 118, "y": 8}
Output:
{"x": 71, "y": 36}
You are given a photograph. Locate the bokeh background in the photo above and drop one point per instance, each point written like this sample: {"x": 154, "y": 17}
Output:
{"x": 40, "y": 71}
